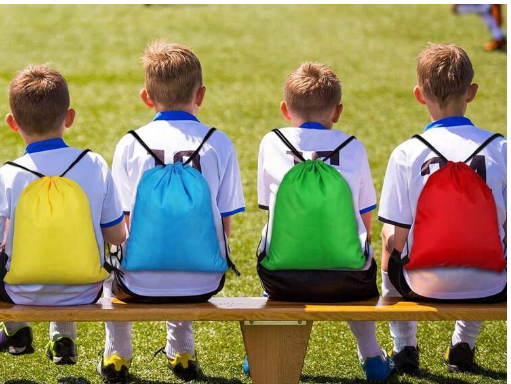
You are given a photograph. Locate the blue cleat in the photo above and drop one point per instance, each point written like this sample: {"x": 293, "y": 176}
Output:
{"x": 246, "y": 368}
{"x": 378, "y": 368}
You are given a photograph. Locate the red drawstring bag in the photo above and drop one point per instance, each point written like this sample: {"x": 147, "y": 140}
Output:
{"x": 456, "y": 221}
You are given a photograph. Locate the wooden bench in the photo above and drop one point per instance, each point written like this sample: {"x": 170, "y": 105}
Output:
{"x": 275, "y": 334}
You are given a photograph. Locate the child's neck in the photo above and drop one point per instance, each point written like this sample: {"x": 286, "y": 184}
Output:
{"x": 35, "y": 138}
{"x": 450, "y": 110}
{"x": 185, "y": 108}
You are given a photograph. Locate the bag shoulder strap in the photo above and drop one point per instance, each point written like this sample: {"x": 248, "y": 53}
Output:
{"x": 288, "y": 144}
{"x": 24, "y": 168}
{"x": 430, "y": 146}
{"x": 81, "y": 156}
{"x": 208, "y": 135}
{"x": 146, "y": 147}
{"x": 343, "y": 144}
{"x": 483, "y": 145}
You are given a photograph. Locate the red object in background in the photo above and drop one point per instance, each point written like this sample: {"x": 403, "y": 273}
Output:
{"x": 456, "y": 222}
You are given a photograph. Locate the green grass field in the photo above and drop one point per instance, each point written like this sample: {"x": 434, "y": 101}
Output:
{"x": 246, "y": 52}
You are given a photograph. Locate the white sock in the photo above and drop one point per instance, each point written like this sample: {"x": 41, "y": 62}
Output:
{"x": 12, "y": 327}
{"x": 491, "y": 24}
{"x": 118, "y": 339}
{"x": 365, "y": 333}
{"x": 466, "y": 332}
{"x": 404, "y": 333}
{"x": 62, "y": 330}
{"x": 179, "y": 339}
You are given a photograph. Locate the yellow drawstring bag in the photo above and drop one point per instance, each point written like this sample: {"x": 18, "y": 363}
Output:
{"x": 54, "y": 240}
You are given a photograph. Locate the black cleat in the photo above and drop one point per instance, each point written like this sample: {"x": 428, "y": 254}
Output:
{"x": 185, "y": 367}
{"x": 114, "y": 370}
{"x": 19, "y": 343}
{"x": 406, "y": 361}
{"x": 460, "y": 358}
{"x": 62, "y": 351}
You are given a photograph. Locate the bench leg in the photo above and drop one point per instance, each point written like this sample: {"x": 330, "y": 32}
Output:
{"x": 276, "y": 350}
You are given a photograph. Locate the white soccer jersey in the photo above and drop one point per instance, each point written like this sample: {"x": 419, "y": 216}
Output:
{"x": 409, "y": 167}
{"x": 314, "y": 141}
{"x": 52, "y": 157}
{"x": 174, "y": 136}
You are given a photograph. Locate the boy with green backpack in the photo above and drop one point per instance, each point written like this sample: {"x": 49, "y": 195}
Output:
{"x": 317, "y": 186}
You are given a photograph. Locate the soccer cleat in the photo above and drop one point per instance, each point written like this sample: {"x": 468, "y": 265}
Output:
{"x": 185, "y": 366}
{"x": 19, "y": 343}
{"x": 406, "y": 361}
{"x": 377, "y": 368}
{"x": 460, "y": 358}
{"x": 496, "y": 45}
{"x": 62, "y": 351}
{"x": 246, "y": 368}
{"x": 114, "y": 369}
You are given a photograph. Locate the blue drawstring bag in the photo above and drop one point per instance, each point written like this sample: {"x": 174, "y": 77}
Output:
{"x": 172, "y": 226}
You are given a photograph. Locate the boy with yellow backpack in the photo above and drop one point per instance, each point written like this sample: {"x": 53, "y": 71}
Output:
{"x": 58, "y": 205}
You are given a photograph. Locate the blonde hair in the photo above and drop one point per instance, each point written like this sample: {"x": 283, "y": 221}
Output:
{"x": 312, "y": 90}
{"x": 172, "y": 73}
{"x": 39, "y": 99}
{"x": 444, "y": 72}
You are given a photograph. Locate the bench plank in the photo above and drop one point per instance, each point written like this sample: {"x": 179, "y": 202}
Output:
{"x": 256, "y": 308}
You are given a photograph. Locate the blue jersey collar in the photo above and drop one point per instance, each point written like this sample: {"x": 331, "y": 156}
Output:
{"x": 312, "y": 125}
{"x": 449, "y": 122}
{"x": 45, "y": 145}
{"x": 174, "y": 115}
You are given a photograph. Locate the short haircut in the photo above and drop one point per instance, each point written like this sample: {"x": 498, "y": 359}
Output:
{"x": 312, "y": 90}
{"x": 444, "y": 72}
{"x": 172, "y": 73}
{"x": 39, "y": 99}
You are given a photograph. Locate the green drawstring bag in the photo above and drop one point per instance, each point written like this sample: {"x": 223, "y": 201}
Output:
{"x": 314, "y": 224}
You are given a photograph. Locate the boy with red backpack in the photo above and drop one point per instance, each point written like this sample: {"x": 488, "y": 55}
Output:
{"x": 444, "y": 207}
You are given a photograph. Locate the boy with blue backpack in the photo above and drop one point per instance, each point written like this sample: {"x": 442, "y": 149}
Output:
{"x": 180, "y": 185}
{"x": 317, "y": 186}
{"x": 444, "y": 209}
{"x": 58, "y": 205}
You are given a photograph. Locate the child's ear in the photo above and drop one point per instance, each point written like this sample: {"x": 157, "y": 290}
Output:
{"x": 337, "y": 113}
{"x": 472, "y": 92}
{"x": 145, "y": 98}
{"x": 11, "y": 122}
{"x": 70, "y": 118}
{"x": 418, "y": 95}
{"x": 199, "y": 97}
{"x": 285, "y": 111}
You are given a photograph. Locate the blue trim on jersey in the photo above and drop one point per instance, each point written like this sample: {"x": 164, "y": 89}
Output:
{"x": 372, "y": 207}
{"x": 112, "y": 223}
{"x": 312, "y": 125}
{"x": 449, "y": 122}
{"x": 227, "y": 214}
{"x": 175, "y": 115}
{"x": 46, "y": 145}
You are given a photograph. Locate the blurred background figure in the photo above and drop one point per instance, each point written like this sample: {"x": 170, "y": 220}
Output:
{"x": 491, "y": 14}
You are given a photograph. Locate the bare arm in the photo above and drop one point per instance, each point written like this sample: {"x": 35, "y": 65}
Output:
{"x": 4, "y": 235}
{"x": 392, "y": 238}
{"x": 400, "y": 236}
{"x": 227, "y": 225}
{"x": 366, "y": 218}
{"x": 115, "y": 234}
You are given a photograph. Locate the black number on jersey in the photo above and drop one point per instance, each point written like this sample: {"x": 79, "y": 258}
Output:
{"x": 334, "y": 160}
{"x": 180, "y": 156}
{"x": 478, "y": 164}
